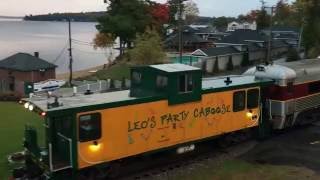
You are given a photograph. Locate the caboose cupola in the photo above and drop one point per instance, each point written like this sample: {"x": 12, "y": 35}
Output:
{"x": 177, "y": 82}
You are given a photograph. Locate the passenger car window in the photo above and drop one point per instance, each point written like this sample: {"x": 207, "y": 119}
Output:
{"x": 185, "y": 83}
{"x": 89, "y": 127}
{"x": 239, "y": 101}
{"x": 290, "y": 87}
{"x": 314, "y": 87}
{"x": 253, "y": 98}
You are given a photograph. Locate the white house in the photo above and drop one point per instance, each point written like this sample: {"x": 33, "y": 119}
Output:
{"x": 241, "y": 25}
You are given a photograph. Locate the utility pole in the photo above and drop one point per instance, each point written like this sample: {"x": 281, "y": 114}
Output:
{"x": 269, "y": 53}
{"x": 180, "y": 29}
{"x": 70, "y": 53}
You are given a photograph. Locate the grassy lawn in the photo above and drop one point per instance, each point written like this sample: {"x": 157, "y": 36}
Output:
{"x": 116, "y": 72}
{"x": 241, "y": 170}
{"x": 12, "y": 120}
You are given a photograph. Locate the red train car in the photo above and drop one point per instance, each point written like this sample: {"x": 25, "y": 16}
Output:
{"x": 295, "y": 96}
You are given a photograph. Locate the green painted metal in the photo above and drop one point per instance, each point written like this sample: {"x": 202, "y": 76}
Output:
{"x": 146, "y": 91}
{"x": 28, "y": 88}
{"x": 185, "y": 59}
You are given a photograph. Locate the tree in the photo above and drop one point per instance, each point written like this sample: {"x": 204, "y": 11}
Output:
{"x": 263, "y": 19}
{"x": 282, "y": 13}
{"x": 105, "y": 41}
{"x": 173, "y": 10}
{"x": 311, "y": 33}
{"x": 292, "y": 55}
{"x": 191, "y": 11}
{"x": 222, "y": 22}
{"x": 124, "y": 19}
{"x": 147, "y": 49}
{"x": 230, "y": 64}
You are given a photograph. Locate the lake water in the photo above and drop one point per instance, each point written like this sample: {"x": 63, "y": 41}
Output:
{"x": 50, "y": 40}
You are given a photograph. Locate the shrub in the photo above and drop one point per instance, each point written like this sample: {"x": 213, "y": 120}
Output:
{"x": 9, "y": 97}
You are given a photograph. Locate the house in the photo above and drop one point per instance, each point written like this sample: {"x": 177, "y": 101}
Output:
{"x": 256, "y": 43}
{"x": 253, "y": 42}
{"x": 21, "y": 69}
{"x": 241, "y": 25}
{"x": 217, "y": 58}
{"x": 190, "y": 40}
{"x": 290, "y": 35}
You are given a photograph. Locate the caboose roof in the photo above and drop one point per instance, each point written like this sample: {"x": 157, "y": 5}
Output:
{"x": 92, "y": 102}
{"x": 172, "y": 68}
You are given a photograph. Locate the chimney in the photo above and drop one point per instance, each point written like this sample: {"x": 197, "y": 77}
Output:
{"x": 36, "y": 54}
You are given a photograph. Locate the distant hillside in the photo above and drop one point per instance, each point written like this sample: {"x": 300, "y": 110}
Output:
{"x": 79, "y": 17}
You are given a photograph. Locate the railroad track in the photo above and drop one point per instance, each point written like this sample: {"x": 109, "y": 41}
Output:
{"x": 168, "y": 170}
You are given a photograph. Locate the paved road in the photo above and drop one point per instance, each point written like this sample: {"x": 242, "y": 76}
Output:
{"x": 298, "y": 147}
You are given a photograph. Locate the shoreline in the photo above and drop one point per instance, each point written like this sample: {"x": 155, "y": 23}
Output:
{"x": 80, "y": 73}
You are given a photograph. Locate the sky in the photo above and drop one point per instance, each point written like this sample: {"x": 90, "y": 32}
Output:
{"x": 207, "y": 7}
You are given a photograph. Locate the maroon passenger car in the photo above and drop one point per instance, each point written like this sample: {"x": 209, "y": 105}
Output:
{"x": 295, "y": 97}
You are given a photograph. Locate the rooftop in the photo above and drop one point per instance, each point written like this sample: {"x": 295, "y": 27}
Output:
{"x": 217, "y": 51}
{"x": 25, "y": 62}
{"x": 118, "y": 98}
{"x": 241, "y": 35}
{"x": 170, "y": 68}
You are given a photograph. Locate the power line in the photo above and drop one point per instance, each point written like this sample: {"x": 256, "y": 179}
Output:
{"x": 60, "y": 54}
{"x": 90, "y": 52}
{"x": 82, "y": 42}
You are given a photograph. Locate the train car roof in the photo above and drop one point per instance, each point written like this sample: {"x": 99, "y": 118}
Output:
{"x": 306, "y": 70}
{"x": 172, "y": 68}
{"x": 121, "y": 98}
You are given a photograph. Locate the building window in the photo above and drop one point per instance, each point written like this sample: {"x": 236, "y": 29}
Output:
{"x": 314, "y": 87}
{"x": 136, "y": 77}
{"x": 253, "y": 98}
{"x": 89, "y": 127}
{"x": 185, "y": 83}
{"x": 239, "y": 101}
{"x": 162, "y": 82}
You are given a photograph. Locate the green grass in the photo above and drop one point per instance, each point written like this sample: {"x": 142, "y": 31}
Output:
{"x": 116, "y": 72}
{"x": 13, "y": 118}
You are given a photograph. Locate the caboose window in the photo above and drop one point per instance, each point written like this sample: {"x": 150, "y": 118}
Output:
{"x": 239, "y": 101}
{"x": 162, "y": 82}
{"x": 136, "y": 77}
{"x": 185, "y": 83}
{"x": 253, "y": 98}
{"x": 89, "y": 127}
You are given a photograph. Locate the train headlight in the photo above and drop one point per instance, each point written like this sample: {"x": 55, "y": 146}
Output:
{"x": 250, "y": 114}
{"x": 31, "y": 107}
{"x": 95, "y": 147}
{"x": 26, "y": 105}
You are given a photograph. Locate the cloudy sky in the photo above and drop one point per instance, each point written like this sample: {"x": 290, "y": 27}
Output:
{"x": 207, "y": 7}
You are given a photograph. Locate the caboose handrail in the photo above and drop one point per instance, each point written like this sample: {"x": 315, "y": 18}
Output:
{"x": 50, "y": 155}
{"x": 70, "y": 146}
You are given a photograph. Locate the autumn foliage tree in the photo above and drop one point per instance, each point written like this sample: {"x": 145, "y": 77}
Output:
{"x": 126, "y": 18}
